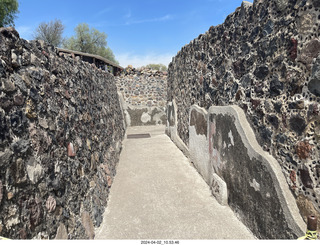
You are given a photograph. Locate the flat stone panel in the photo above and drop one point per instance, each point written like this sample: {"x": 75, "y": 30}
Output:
{"x": 198, "y": 143}
{"x": 256, "y": 187}
{"x": 219, "y": 190}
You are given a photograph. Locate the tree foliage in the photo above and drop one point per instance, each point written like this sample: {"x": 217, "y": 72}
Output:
{"x": 89, "y": 40}
{"x": 50, "y": 32}
{"x": 158, "y": 67}
{"x": 8, "y": 11}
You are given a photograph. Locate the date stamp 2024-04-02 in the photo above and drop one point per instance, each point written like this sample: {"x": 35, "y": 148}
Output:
{"x": 160, "y": 242}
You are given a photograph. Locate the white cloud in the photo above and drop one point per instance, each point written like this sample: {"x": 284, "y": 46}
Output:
{"x": 103, "y": 11}
{"x": 25, "y": 32}
{"x": 159, "y": 19}
{"x": 128, "y": 15}
{"x": 136, "y": 61}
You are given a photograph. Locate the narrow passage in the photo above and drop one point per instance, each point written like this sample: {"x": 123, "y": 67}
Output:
{"x": 157, "y": 194}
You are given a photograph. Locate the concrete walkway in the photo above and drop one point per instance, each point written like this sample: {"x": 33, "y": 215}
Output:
{"x": 157, "y": 194}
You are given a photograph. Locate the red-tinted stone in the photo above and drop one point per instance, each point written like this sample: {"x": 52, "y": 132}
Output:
{"x": 303, "y": 149}
{"x": 214, "y": 82}
{"x": 45, "y": 53}
{"x": 293, "y": 176}
{"x": 23, "y": 234}
{"x": 71, "y": 151}
{"x": 109, "y": 179}
{"x": 293, "y": 49}
{"x": 67, "y": 95}
{"x": 255, "y": 103}
{"x": 106, "y": 168}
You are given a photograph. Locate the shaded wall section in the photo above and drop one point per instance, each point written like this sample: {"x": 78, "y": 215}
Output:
{"x": 143, "y": 94}
{"x": 257, "y": 187}
{"x": 60, "y": 140}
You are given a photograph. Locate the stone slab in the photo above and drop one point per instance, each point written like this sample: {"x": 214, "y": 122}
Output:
{"x": 257, "y": 189}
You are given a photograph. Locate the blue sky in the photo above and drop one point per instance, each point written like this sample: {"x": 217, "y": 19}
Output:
{"x": 139, "y": 32}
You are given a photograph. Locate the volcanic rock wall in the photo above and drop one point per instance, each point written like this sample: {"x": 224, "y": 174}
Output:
{"x": 60, "y": 140}
{"x": 144, "y": 96}
{"x": 265, "y": 59}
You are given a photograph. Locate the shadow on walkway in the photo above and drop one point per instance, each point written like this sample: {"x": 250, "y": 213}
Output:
{"x": 157, "y": 194}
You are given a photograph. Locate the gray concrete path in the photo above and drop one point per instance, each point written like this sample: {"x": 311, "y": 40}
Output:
{"x": 157, "y": 194}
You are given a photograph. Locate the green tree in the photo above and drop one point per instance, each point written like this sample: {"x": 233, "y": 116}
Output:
{"x": 50, "y": 32}
{"x": 89, "y": 40}
{"x": 158, "y": 67}
{"x": 8, "y": 11}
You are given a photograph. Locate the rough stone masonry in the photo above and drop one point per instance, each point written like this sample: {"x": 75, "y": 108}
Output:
{"x": 143, "y": 94}
{"x": 60, "y": 140}
{"x": 265, "y": 58}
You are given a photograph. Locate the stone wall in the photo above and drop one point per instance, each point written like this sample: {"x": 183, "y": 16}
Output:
{"x": 60, "y": 140}
{"x": 265, "y": 59}
{"x": 143, "y": 94}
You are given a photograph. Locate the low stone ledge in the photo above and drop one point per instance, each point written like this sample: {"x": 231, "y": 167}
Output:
{"x": 239, "y": 172}
{"x": 219, "y": 190}
{"x": 172, "y": 128}
{"x": 257, "y": 189}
